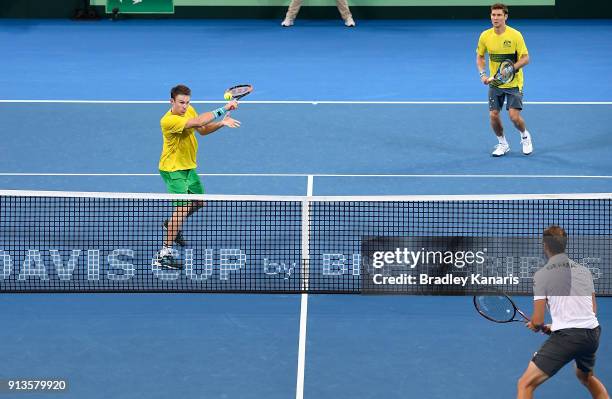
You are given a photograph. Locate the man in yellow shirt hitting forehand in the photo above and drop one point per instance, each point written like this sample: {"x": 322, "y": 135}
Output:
{"x": 178, "y": 162}
{"x": 502, "y": 42}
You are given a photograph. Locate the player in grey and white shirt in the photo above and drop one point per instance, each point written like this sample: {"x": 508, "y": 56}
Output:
{"x": 567, "y": 288}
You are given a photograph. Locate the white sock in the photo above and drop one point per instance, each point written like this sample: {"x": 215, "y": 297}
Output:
{"x": 502, "y": 140}
{"x": 525, "y": 134}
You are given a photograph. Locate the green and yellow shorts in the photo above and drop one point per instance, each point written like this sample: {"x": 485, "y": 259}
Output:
{"x": 182, "y": 182}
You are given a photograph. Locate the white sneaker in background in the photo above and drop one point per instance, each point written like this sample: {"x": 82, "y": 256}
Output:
{"x": 527, "y": 145}
{"x": 350, "y": 22}
{"x": 287, "y": 22}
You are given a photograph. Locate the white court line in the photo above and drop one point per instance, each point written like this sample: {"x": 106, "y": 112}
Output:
{"x": 309, "y": 185}
{"x": 312, "y": 102}
{"x": 299, "y": 386}
{"x": 437, "y": 176}
{"x": 299, "y": 389}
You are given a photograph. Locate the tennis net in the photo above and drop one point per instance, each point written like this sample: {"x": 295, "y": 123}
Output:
{"x": 107, "y": 242}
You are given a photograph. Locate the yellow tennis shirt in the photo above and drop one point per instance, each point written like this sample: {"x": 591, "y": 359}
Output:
{"x": 510, "y": 45}
{"x": 180, "y": 144}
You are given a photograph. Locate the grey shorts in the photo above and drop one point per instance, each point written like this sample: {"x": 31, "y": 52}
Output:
{"x": 563, "y": 346}
{"x": 497, "y": 97}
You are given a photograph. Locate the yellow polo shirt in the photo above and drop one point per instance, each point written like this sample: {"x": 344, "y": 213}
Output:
{"x": 180, "y": 144}
{"x": 510, "y": 45}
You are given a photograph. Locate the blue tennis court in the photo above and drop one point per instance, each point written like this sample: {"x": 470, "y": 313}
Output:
{"x": 335, "y": 111}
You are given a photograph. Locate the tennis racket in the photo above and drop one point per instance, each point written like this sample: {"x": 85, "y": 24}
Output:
{"x": 500, "y": 309}
{"x": 239, "y": 91}
{"x": 504, "y": 74}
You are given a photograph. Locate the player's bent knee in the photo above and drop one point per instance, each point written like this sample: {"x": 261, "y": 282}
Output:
{"x": 527, "y": 384}
{"x": 522, "y": 385}
{"x": 531, "y": 378}
{"x": 523, "y": 382}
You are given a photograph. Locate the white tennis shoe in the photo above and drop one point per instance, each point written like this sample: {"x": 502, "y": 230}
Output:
{"x": 527, "y": 145}
{"x": 167, "y": 262}
{"x": 500, "y": 150}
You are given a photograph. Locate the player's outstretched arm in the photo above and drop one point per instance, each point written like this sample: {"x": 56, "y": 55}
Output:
{"x": 207, "y": 117}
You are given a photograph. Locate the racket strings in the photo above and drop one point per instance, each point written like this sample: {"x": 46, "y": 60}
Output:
{"x": 506, "y": 72}
{"x": 498, "y": 308}
{"x": 240, "y": 91}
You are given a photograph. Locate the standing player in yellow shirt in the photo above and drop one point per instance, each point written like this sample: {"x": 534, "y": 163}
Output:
{"x": 178, "y": 162}
{"x": 502, "y": 42}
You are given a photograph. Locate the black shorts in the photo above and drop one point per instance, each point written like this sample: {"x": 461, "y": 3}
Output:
{"x": 563, "y": 346}
{"x": 497, "y": 97}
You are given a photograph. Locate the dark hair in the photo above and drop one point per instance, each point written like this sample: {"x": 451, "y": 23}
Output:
{"x": 555, "y": 239}
{"x": 500, "y": 6}
{"x": 180, "y": 89}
